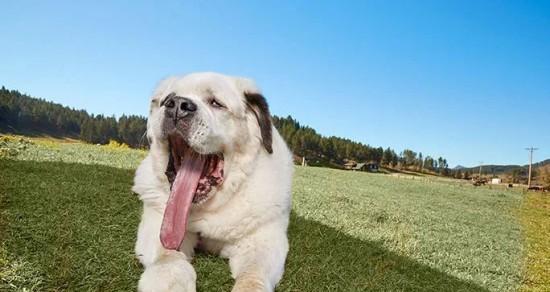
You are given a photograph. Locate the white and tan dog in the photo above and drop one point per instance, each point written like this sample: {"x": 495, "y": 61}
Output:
{"x": 218, "y": 175}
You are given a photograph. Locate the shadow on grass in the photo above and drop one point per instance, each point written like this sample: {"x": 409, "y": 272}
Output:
{"x": 72, "y": 227}
{"x": 324, "y": 259}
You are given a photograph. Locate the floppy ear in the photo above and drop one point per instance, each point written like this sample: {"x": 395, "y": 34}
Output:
{"x": 258, "y": 105}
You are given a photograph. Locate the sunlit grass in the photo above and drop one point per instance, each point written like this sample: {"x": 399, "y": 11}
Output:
{"x": 468, "y": 232}
{"x": 535, "y": 218}
{"x": 46, "y": 149}
{"x": 69, "y": 222}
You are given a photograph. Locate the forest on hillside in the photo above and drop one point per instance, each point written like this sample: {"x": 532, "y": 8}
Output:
{"x": 23, "y": 114}
{"x": 306, "y": 142}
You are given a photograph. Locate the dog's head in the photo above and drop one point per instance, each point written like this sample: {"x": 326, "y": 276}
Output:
{"x": 211, "y": 112}
{"x": 198, "y": 121}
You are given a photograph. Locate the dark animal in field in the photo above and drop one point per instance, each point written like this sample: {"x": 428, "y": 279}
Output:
{"x": 479, "y": 182}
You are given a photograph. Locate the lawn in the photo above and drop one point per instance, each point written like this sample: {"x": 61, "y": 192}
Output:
{"x": 68, "y": 222}
{"x": 535, "y": 217}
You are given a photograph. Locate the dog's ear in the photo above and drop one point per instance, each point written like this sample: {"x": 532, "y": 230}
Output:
{"x": 258, "y": 105}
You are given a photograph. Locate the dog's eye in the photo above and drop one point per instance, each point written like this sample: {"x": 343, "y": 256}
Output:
{"x": 215, "y": 103}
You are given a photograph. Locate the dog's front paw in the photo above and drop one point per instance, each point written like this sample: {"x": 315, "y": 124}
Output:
{"x": 250, "y": 283}
{"x": 169, "y": 274}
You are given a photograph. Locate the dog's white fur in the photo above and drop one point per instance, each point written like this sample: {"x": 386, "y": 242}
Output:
{"x": 246, "y": 219}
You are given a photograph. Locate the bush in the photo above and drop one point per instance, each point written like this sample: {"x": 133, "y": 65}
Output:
{"x": 117, "y": 145}
{"x": 11, "y": 146}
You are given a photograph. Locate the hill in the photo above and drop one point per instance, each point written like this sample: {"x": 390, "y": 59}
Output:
{"x": 542, "y": 163}
{"x": 515, "y": 173}
{"x": 492, "y": 168}
{"x": 501, "y": 169}
{"x": 23, "y": 114}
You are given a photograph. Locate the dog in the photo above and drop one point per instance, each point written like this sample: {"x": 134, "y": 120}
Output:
{"x": 217, "y": 177}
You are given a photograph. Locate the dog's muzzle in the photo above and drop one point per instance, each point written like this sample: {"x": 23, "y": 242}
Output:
{"x": 178, "y": 107}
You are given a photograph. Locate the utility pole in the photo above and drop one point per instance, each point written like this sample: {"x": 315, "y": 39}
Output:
{"x": 531, "y": 150}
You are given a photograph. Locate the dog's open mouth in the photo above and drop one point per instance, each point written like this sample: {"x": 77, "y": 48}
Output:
{"x": 192, "y": 177}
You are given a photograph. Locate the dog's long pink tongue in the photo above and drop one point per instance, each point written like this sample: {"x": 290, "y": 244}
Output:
{"x": 177, "y": 209}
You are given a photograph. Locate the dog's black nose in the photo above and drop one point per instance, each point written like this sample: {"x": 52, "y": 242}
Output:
{"x": 188, "y": 105}
{"x": 179, "y": 107}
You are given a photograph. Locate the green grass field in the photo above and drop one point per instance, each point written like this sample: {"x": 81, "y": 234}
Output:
{"x": 68, "y": 222}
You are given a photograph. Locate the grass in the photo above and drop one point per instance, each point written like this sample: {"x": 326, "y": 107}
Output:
{"x": 40, "y": 149}
{"x": 79, "y": 236}
{"x": 71, "y": 231}
{"x": 349, "y": 231}
{"x": 468, "y": 232}
{"x": 535, "y": 215}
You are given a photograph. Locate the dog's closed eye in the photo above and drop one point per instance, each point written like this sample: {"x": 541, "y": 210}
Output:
{"x": 215, "y": 103}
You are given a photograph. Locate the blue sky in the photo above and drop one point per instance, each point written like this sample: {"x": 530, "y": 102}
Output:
{"x": 466, "y": 80}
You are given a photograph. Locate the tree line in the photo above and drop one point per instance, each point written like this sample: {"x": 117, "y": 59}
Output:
{"x": 334, "y": 151}
{"x": 20, "y": 113}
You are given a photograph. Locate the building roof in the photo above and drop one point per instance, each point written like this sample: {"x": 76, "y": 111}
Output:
{"x": 359, "y": 165}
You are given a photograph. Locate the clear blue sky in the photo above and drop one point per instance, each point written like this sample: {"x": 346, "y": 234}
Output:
{"x": 467, "y": 80}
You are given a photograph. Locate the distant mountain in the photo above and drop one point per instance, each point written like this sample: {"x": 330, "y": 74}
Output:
{"x": 496, "y": 169}
{"x": 459, "y": 167}
{"x": 542, "y": 163}
{"x": 502, "y": 169}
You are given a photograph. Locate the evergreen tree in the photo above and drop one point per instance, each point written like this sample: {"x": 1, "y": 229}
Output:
{"x": 387, "y": 156}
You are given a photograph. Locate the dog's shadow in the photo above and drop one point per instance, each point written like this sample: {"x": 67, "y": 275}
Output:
{"x": 322, "y": 258}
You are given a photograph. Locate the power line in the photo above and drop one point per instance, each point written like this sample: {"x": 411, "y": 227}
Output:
{"x": 531, "y": 150}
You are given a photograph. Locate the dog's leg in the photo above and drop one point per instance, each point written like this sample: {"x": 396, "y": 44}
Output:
{"x": 165, "y": 270}
{"x": 257, "y": 261}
